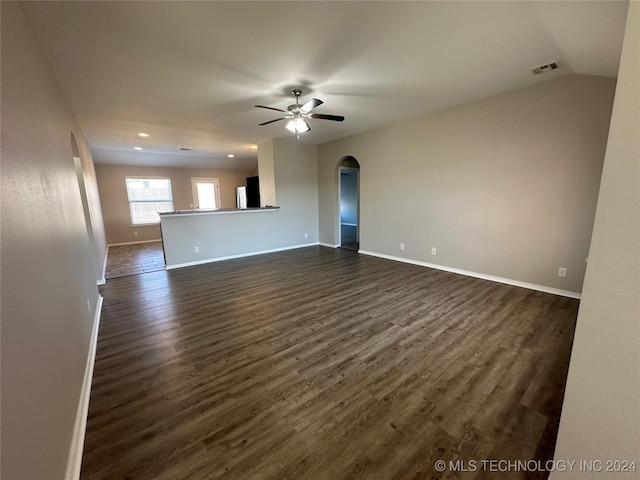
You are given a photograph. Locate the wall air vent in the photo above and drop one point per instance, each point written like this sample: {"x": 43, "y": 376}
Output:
{"x": 545, "y": 68}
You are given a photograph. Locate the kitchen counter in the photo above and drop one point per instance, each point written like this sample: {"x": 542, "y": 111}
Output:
{"x": 193, "y": 237}
{"x": 218, "y": 211}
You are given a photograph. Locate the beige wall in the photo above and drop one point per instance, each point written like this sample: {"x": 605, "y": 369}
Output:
{"x": 266, "y": 172}
{"x": 97, "y": 235}
{"x": 49, "y": 268}
{"x": 601, "y": 411}
{"x": 506, "y": 186}
{"x": 115, "y": 205}
{"x": 295, "y": 178}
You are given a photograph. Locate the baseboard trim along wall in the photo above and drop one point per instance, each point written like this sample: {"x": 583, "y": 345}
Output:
{"x": 133, "y": 243}
{"x": 240, "y": 255}
{"x": 77, "y": 442}
{"x": 508, "y": 281}
{"x": 328, "y": 245}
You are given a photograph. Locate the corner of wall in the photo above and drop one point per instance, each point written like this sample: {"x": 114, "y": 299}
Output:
{"x": 266, "y": 173}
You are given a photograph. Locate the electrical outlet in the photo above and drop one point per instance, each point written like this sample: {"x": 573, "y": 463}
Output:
{"x": 562, "y": 272}
{"x": 135, "y": 234}
{"x": 433, "y": 251}
{"x": 306, "y": 235}
{"x": 197, "y": 249}
{"x": 402, "y": 246}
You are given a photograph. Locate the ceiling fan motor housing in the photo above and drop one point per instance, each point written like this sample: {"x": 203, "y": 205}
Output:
{"x": 295, "y": 108}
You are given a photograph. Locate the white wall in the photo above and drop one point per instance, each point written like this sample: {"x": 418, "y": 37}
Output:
{"x": 505, "y": 186}
{"x": 601, "y": 411}
{"x": 48, "y": 276}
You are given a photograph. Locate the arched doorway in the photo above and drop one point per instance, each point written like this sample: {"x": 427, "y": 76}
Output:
{"x": 349, "y": 202}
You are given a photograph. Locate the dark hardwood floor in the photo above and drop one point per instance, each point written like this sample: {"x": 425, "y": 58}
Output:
{"x": 320, "y": 363}
{"x": 134, "y": 259}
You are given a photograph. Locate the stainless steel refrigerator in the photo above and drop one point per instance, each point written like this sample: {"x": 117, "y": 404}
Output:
{"x": 241, "y": 197}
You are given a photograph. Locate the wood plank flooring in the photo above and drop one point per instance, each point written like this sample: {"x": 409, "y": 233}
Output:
{"x": 320, "y": 363}
{"x": 134, "y": 259}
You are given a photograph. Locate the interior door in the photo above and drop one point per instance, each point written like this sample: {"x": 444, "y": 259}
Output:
{"x": 206, "y": 193}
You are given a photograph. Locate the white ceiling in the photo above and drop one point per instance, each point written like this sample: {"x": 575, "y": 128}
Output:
{"x": 190, "y": 73}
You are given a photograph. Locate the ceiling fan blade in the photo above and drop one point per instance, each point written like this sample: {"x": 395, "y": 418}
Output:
{"x": 271, "y": 121}
{"x": 271, "y": 108}
{"x": 322, "y": 116}
{"x": 310, "y": 105}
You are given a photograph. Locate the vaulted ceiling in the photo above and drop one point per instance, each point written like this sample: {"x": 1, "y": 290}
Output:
{"x": 190, "y": 73}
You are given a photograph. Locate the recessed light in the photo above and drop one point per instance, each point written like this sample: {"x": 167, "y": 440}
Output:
{"x": 137, "y": 148}
{"x": 255, "y": 147}
{"x": 143, "y": 135}
{"x": 231, "y": 156}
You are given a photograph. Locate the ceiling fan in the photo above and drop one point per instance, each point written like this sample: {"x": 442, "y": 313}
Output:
{"x": 298, "y": 114}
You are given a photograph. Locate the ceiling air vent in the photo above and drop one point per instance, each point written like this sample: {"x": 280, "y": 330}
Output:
{"x": 545, "y": 68}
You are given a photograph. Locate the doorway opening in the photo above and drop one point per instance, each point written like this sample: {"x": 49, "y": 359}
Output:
{"x": 349, "y": 199}
{"x": 206, "y": 193}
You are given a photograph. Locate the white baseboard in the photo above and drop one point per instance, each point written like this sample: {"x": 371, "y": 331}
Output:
{"x": 328, "y": 245}
{"x": 134, "y": 243}
{"x": 77, "y": 442}
{"x": 240, "y": 255}
{"x": 508, "y": 281}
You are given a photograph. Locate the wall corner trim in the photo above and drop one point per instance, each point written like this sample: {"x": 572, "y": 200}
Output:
{"x": 103, "y": 279}
{"x": 483, "y": 276}
{"x": 74, "y": 461}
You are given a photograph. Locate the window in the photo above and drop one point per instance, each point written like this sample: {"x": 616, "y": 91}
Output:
{"x": 147, "y": 198}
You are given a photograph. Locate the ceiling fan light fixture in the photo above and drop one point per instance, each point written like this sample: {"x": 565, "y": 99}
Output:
{"x": 297, "y": 114}
{"x": 301, "y": 125}
{"x": 298, "y": 125}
